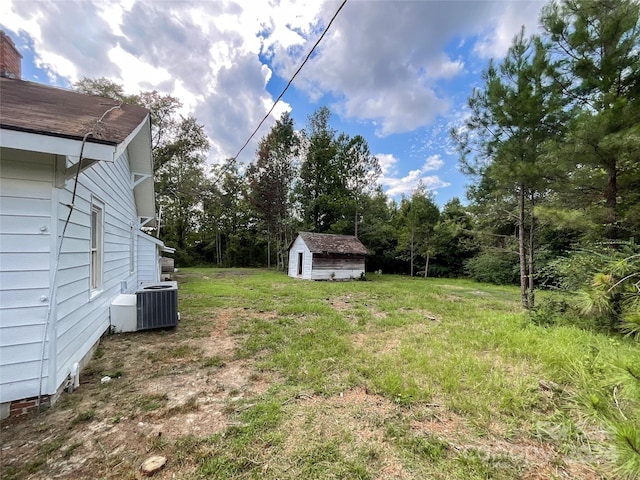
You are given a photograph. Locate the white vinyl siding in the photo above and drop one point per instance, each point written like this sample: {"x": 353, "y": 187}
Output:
{"x": 54, "y": 308}
{"x": 26, "y": 244}
{"x": 148, "y": 258}
{"x": 83, "y": 319}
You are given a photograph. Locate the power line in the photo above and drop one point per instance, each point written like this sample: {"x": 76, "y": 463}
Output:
{"x": 291, "y": 80}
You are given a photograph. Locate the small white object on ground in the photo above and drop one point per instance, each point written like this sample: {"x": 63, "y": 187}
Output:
{"x": 153, "y": 464}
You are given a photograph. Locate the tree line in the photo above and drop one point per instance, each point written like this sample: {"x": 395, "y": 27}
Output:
{"x": 551, "y": 144}
{"x": 312, "y": 178}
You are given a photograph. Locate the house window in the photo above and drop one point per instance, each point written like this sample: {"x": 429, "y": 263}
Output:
{"x": 97, "y": 247}
{"x": 131, "y": 248}
{"x": 300, "y": 256}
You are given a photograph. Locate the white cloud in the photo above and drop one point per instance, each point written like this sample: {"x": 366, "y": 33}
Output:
{"x": 395, "y": 186}
{"x": 387, "y": 163}
{"x": 382, "y": 62}
{"x": 133, "y": 72}
{"x": 506, "y": 24}
{"x": 406, "y": 185}
{"x": 286, "y": 24}
{"x": 433, "y": 163}
{"x": 442, "y": 67}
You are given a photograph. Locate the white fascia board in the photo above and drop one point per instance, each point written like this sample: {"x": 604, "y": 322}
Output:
{"x": 157, "y": 241}
{"x": 139, "y": 145}
{"x": 34, "y": 142}
{"x": 151, "y": 238}
{"x": 125, "y": 143}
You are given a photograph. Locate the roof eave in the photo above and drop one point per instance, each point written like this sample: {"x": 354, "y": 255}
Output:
{"x": 138, "y": 144}
{"x": 38, "y": 142}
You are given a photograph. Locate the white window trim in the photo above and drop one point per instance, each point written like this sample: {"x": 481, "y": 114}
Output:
{"x": 96, "y": 254}
{"x": 132, "y": 244}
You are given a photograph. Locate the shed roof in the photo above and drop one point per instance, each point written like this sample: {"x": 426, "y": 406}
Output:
{"x": 41, "y": 109}
{"x": 328, "y": 243}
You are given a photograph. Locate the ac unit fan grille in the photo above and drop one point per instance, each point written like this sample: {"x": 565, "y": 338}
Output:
{"x": 157, "y": 306}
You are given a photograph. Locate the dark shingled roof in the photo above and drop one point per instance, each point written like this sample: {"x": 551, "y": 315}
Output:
{"x": 326, "y": 243}
{"x": 35, "y": 108}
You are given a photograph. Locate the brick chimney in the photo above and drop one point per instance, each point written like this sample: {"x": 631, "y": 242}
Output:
{"x": 10, "y": 58}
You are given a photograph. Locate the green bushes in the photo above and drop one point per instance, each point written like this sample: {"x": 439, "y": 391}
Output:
{"x": 604, "y": 280}
{"x": 493, "y": 267}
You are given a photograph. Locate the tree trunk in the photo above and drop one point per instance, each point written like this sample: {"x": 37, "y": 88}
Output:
{"x": 522, "y": 254}
{"x": 426, "y": 267}
{"x": 218, "y": 248}
{"x": 427, "y": 244}
{"x": 356, "y": 222}
{"x": 532, "y": 245}
{"x": 611, "y": 199}
{"x": 411, "y": 254}
{"x": 268, "y": 250}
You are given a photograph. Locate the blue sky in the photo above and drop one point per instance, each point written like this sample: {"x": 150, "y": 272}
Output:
{"x": 396, "y": 72}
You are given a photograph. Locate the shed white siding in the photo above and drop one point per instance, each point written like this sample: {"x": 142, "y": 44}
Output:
{"x": 26, "y": 240}
{"x": 148, "y": 259}
{"x": 299, "y": 247}
{"x": 336, "y": 268}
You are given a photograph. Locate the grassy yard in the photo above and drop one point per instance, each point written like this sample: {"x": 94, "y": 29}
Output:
{"x": 393, "y": 378}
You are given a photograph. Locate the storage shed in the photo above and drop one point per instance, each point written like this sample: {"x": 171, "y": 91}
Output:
{"x": 321, "y": 256}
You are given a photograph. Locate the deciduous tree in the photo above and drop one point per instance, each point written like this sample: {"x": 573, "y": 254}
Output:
{"x": 270, "y": 180}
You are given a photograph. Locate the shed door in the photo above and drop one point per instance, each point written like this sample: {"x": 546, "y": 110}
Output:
{"x": 300, "y": 256}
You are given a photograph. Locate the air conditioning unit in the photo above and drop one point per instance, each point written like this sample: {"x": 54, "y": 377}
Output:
{"x": 157, "y": 305}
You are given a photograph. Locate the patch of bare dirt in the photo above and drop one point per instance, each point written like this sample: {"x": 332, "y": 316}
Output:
{"x": 163, "y": 389}
{"x": 388, "y": 342}
{"x": 219, "y": 341}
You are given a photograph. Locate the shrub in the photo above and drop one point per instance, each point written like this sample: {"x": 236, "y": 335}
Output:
{"x": 493, "y": 267}
{"x": 550, "y": 311}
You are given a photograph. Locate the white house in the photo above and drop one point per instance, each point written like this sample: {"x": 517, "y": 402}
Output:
{"x": 321, "y": 256}
{"x": 149, "y": 262}
{"x": 76, "y": 178}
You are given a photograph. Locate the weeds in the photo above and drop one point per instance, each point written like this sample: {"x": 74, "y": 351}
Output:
{"x": 84, "y": 416}
{"x": 388, "y": 378}
{"x": 150, "y": 402}
{"x": 213, "y": 362}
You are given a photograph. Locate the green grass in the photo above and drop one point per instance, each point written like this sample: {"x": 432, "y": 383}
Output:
{"x": 395, "y": 377}
{"x": 457, "y": 344}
